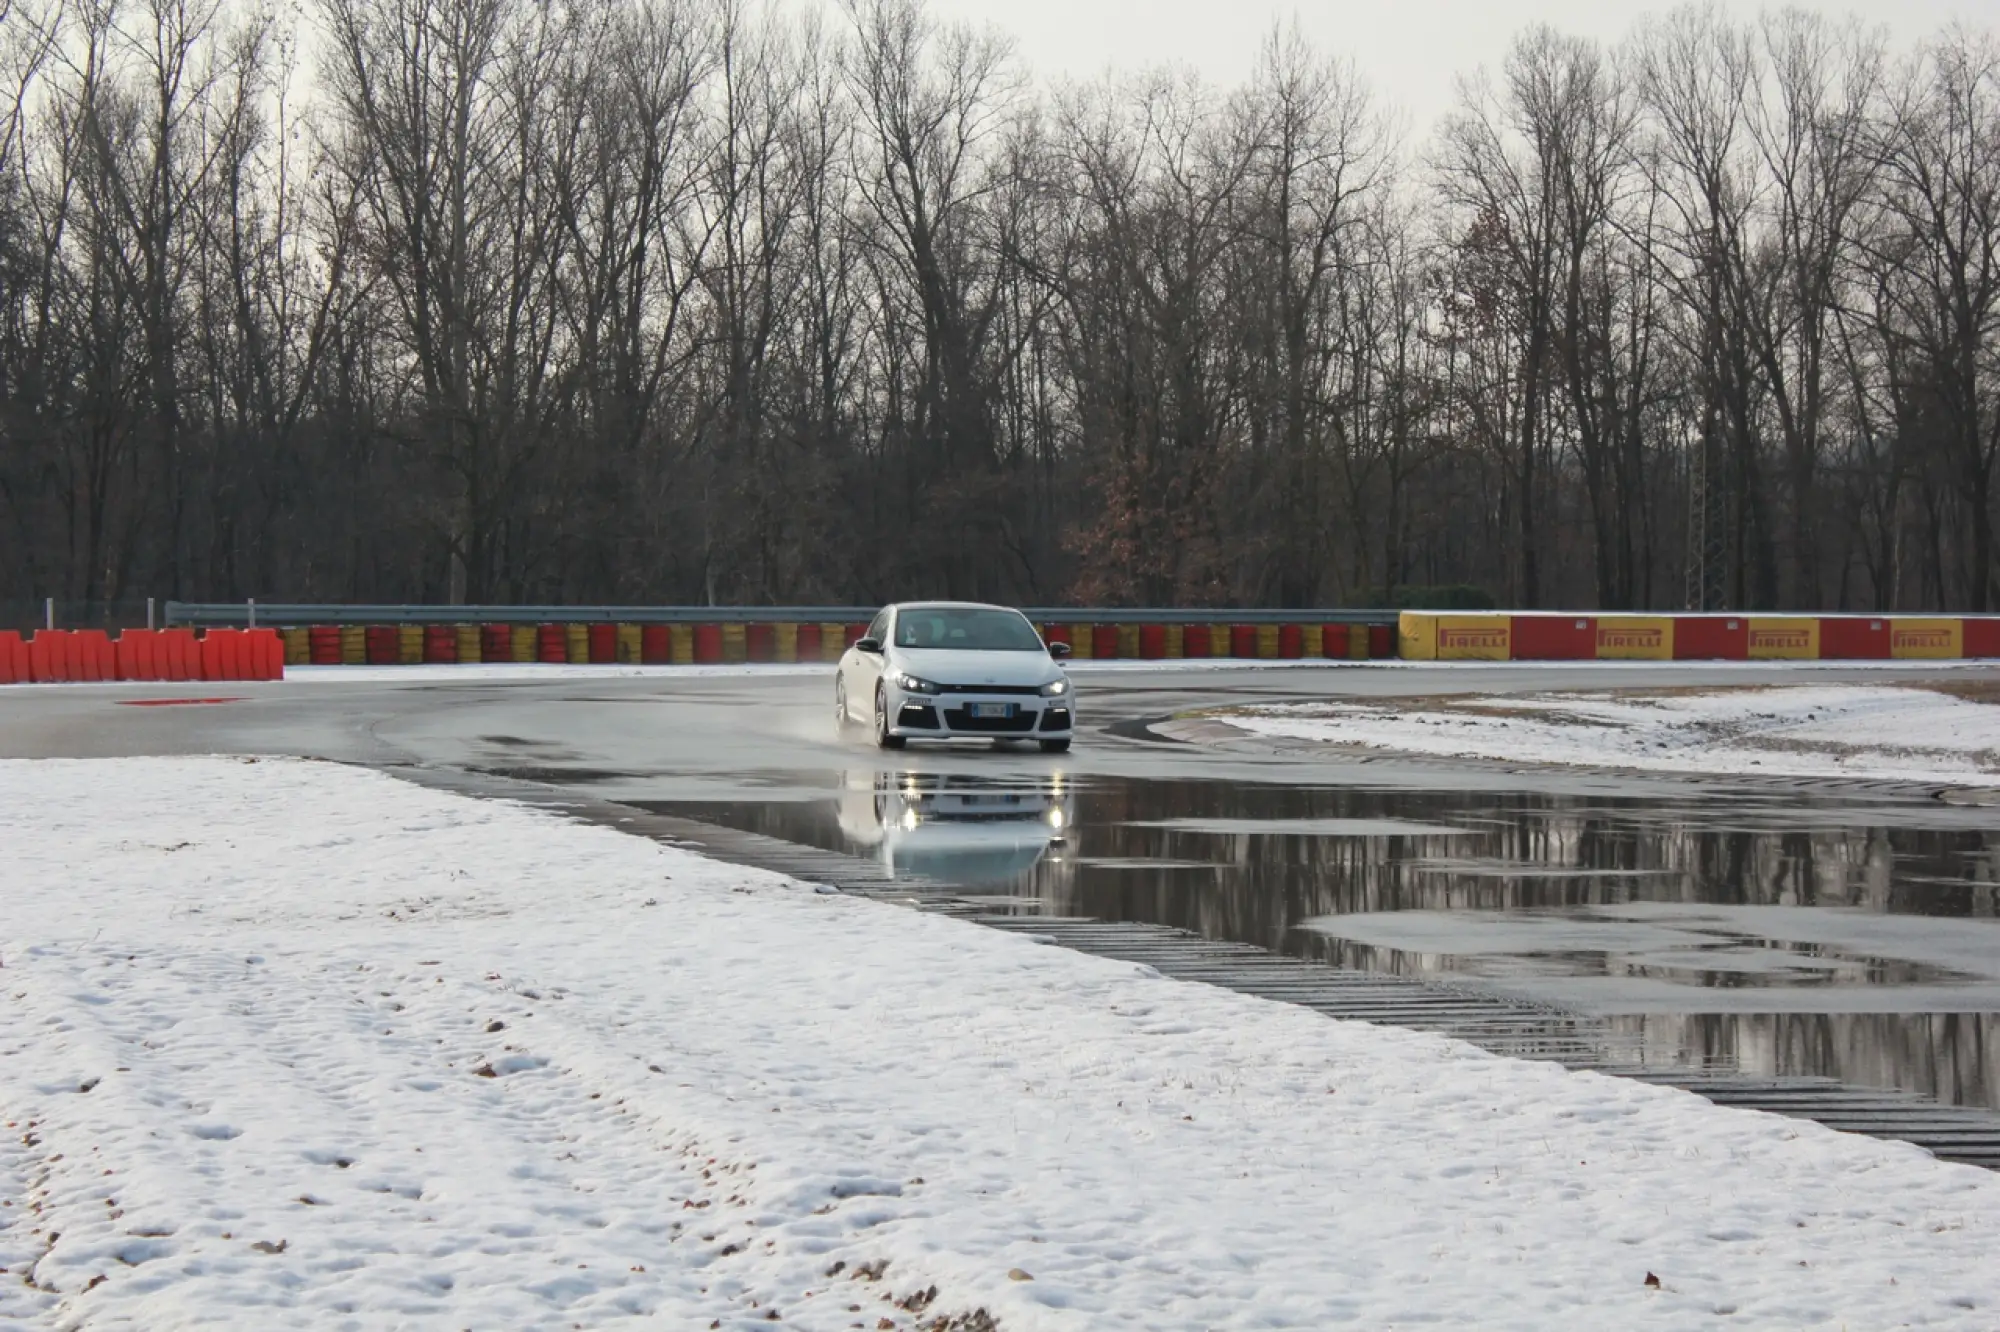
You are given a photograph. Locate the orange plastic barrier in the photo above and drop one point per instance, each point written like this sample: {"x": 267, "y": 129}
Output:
{"x": 138, "y": 655}
{"x": 94, "y": 657}
{"x": 48, "y": 654}
{"x": 14, "y": 667}
{"x": 270, "y": 646}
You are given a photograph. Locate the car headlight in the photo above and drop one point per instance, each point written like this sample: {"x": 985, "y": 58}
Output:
{"x": 911, "y": 684}
{"x": 1055, "y": 689}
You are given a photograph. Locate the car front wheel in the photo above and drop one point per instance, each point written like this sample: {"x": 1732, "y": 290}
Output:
{"x": 842, "y": 719}
{"x": 882, "y": 737}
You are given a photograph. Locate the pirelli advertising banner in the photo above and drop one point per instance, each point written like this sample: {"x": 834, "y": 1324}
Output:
{"x": 1635, "y": 638}
{"x": 1784, "y": 638}
{"x": 1427, "y": 636}
{"x": 1926, "y": 638}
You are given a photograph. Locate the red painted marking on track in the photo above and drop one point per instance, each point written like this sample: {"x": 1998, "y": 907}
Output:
{"x": 170, "y": 702}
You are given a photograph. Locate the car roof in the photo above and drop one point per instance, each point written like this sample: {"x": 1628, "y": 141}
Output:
{"x": 950, "y": 605}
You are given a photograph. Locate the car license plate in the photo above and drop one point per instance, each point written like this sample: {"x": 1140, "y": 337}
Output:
{"x": 993, "y": 710}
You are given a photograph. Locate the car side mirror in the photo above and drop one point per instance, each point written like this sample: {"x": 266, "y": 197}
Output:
{"x": 1059, "y": 651}
{"x": 872, "y": 646}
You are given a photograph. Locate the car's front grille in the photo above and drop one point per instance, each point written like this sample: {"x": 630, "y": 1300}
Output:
{"x": 988, "y": 689}
{"x": 961, "y": 719}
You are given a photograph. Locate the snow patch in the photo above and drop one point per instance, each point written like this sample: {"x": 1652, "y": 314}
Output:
{"x": 1882, "y": 732}
{"x": 727, "y": 1105}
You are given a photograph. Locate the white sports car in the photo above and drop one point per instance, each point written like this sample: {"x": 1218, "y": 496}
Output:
{"x": 949, "y": 670}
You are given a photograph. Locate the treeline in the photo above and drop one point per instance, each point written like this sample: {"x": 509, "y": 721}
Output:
{"x": 682, "y": 301}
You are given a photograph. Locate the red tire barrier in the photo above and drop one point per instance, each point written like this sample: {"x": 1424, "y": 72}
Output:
{"x": 1242, "y": 640}
{"x": 708, "y": 643}
{"x": 1712, "y": 637}
{"x": 1554, "y": 638}
{"x": 1291, "y": 640}
{"x": 1982, "y": 637}
{"x": 1104, "y": 642}
{"x": 382, "y": 645}
{"x": 760, "y": 642}
{"x": 441, "y": 643}
{"x": 1152, "y": 641}
{"x": 552, "y": 644}
{"x": 656, "y": 644}
{"x": 323, "y": 644}
{"x": 496, "y": 642}
{"x": 602, "y": 641}
{"x": 1056, "y": 633}
{"x": 1198, "y": 640}
{"x": 855, "y": 633}
{"x": 1381, "y": 640}
{"x": 1853, "y": 638}
{"x": 14, "y": 668}
{"x": 810, "y": 643}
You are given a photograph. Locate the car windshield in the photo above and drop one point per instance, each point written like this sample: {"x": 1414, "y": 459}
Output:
{"x": 975, "y": 628}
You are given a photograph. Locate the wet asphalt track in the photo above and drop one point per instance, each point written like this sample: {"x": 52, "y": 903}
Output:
{"x": 1416, "y": 867}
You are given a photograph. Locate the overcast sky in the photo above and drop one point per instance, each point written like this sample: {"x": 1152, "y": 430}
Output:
{"x": 1409, "y": 50}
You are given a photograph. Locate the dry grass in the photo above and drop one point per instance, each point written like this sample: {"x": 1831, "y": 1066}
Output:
{"x": 1981, "y": 689}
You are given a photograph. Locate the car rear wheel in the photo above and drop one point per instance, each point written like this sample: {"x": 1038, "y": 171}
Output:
{"x": 882, "y": 737}
{"x": 1055, "y": 746}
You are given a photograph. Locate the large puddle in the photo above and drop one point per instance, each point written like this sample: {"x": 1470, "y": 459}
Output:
{"x": 1791, "y": 935}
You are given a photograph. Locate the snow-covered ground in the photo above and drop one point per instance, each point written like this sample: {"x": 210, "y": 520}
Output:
{"x": 1874, "y": 731}
{"x": 296, "y": 1044}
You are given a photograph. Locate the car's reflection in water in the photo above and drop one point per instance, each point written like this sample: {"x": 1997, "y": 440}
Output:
{"x": 972, "y": 832}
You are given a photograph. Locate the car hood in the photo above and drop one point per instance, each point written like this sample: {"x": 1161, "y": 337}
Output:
{"x": 961, "y": 667}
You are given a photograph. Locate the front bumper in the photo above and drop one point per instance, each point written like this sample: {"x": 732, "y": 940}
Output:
{"x": 952, "y": 715}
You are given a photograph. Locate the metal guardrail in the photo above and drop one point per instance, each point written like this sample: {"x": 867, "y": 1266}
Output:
{"x": 285, "y": 615}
